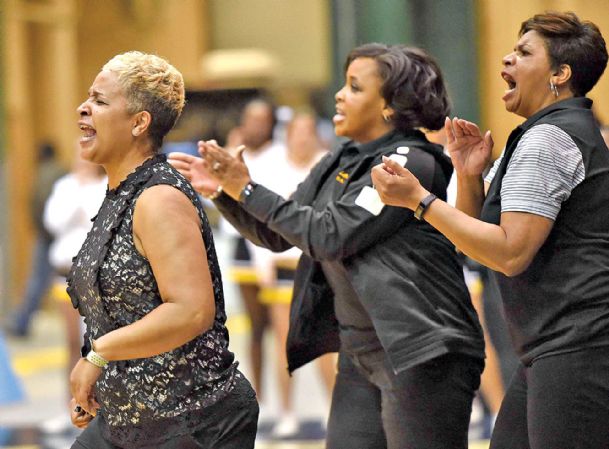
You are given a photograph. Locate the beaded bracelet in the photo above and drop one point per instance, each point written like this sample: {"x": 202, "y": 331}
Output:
{"x": 95, "y": 358}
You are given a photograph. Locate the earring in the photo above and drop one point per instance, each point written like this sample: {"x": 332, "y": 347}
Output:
{"x": 387, "y": 118}
{"x": 554, "y": 89}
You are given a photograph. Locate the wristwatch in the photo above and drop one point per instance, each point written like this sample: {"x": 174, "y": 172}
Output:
{"x": 423, "y": 205}
{"x": 247, "y": 191}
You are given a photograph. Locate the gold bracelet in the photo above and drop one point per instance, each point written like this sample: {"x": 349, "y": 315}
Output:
{"x": 215, "y": 194}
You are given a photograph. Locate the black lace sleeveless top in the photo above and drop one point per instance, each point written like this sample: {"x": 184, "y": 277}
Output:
{"x": 149, "y": 400}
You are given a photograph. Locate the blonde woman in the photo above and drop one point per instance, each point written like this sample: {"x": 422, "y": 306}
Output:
{"x": 156, "y": 371}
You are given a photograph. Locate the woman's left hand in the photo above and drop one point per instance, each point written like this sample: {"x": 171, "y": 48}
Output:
{"x": 396, "y": 185}
{"x": 82, "y": 385}
{"x": 230, "y": 171}
{"x": 78, "y": 416}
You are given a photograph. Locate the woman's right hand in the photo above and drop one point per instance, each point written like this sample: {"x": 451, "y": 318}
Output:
{"x": 194, "y": 169}
{"x": 469, "y": 150}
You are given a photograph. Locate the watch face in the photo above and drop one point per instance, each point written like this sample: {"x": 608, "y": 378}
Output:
{"x": 247, "y": 191}
{"x": 423, "y": 205}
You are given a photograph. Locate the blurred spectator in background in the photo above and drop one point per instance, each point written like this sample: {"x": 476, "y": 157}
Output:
{"x": 275, "y": 271}
{"x": 501, "y": 360}
{"x": 73, "y": 202}
{"x": 255, "y": 132}
{"x": 49, "y": 170}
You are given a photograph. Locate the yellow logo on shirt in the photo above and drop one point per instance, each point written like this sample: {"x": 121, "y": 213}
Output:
{"x": 342, "y": 177}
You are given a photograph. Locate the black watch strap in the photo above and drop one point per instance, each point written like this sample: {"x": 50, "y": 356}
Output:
{"x": 423, "y": 205}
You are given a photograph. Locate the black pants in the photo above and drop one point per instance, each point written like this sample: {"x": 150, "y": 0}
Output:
{"x": 428, "y": 406}
{"x": 559, "y": 402}
{"x": 235, "y": 430}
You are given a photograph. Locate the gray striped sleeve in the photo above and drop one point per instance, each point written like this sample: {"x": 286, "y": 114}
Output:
{"x": 545, "y": 167}
{"x": 491, "y": 173}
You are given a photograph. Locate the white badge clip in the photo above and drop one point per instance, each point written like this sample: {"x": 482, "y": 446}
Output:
{"x": 370, "y": 200}
{"x": 399, "y": 158}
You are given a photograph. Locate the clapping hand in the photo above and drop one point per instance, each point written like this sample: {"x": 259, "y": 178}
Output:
{"x": 195, "y": 170}
{"x": 396, "y": 185}
{"x": 469, "y": 150}
{"x": 227, "y": 169}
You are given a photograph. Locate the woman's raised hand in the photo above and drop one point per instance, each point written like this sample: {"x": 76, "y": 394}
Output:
{"x": 469, "y": 150}
{"x": 396, "y": 185}
{"x": 195, "y": 170}
{"x": 227, "y": 169}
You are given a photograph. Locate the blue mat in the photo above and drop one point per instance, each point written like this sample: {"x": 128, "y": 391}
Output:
{"x": 10, "y": 387}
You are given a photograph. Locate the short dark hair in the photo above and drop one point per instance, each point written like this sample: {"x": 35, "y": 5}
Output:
{"x": 573, "y": 42}
{"x": 412, "y": 84}
{"x": 266, "y": 101}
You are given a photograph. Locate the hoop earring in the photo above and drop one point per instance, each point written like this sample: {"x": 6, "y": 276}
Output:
{"x": 387, "y": 118}
{"x": 554, "y": 89}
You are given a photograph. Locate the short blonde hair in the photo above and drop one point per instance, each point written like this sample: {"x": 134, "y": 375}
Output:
{"x": 150, "y": 84}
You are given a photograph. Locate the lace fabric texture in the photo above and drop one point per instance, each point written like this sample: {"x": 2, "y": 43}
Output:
{"x": 112, "y": 285}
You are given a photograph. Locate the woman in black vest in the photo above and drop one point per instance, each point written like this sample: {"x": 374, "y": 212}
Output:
{"x": 543, "y": 227}
{"x": 374, "y": 282}
{"x": 157, "y": 371}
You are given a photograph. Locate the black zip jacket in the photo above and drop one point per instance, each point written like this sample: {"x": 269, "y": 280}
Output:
{"x": 405, "y": 273}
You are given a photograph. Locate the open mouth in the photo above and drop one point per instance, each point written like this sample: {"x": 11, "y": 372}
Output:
{"x": 339, "y": 116}
{"x": 509, "y": 80}
{"x": 88, "y": 133}
{"x": 510, "y": 92}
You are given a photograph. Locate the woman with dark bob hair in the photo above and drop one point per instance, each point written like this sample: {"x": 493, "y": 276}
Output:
{"x": 156, "y": 371}
{"x": 374, "y": 283}
{"x": 542, "y": 227}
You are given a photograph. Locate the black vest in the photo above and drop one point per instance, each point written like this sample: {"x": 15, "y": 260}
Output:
{"x": 560, "y": 303}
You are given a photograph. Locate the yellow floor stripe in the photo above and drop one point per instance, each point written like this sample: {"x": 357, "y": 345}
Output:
{"x": 35, "y": 361}
{"x": 30, "y": 446}
{"x": 238, "y": 324}
{"x": 32, "y": 362}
